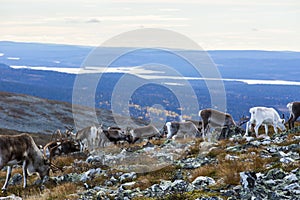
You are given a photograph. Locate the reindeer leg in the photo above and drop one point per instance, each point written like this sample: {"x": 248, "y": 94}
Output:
{"x": 256, "y": 128}
{"x": 247, "y": 129}
{"x": 205, "y": 128}
{"x": 267, "y": 129}
{"x": 25, "y": 174}
{"x": 275, "y": 129}
{"x": 8, "y": 175}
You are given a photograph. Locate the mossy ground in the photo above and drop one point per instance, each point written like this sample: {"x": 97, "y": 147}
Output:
{"x": 225, "y": 171}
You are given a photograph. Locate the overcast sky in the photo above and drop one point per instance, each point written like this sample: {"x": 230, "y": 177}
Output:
{"x": 213, "y": 24}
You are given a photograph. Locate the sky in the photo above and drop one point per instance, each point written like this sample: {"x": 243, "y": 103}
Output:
{"x": 212, "y": 24}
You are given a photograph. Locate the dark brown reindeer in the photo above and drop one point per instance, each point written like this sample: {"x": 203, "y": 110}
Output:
{"x": 61, "y": 143}
{"x": 214, "y": 119}
{"x": 294, "y": 109}
{"x": 22, "y": 150}
{"x": 115, "y": 134}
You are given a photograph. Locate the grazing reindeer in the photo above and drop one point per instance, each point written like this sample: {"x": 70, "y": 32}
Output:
{"x": 182, "y": 129}
{"x": 142, "y": 132}
{"x": 214, "y": 119}
{"x": 92, "y": 137}
{"x": 88, "y": 138}
{"x": 21, "y": 149}
{"x": 265, "y": 116}
{"x": 115, "y": 134}
{"x": 294, "y": 109}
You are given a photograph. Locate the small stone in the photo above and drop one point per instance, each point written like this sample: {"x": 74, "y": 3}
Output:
{"x": 128, "y": 185}
{"x": 249, "y": 138}
{"x": 234, "y": 148}
{"x": 230, "y": 157}
{"x": 128, "y": 177}
{"x": 181, "y": 185}
{"x": 293, "y": 186}
{"x": 113, "y": 179}
{"x": 275, "y": 174}
{"x": 178, "y": 175}
{"x": 14, "y": 197}
{"x": 165, "y": 185}
{"x": 296, "y": 137}
{"x": 248, "y": 179}
{"x": 97, "y": 188}
{"x": 203, "y": 181}
{"x": 266, "y": 141}
{"x": 16, "y": 179}
{"x": 256, "y": 143}
{"x": 291, "y": 178}
{"x": 287, "y": 160}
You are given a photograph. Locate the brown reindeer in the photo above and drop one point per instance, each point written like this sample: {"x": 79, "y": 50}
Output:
{"x": 142, "y": 132}
{"x": 294, "y": 109}
{"x": 214, "y": 119}
{"x": 21, "y": 149}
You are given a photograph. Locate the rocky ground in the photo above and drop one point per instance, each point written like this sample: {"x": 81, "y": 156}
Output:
{"x": 235, "y": 168}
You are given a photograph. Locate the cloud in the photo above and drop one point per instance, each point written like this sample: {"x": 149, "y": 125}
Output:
{"x": 169, "y": 9}
{"x": 93, "y": 20}
{"x": 142, "y": 18}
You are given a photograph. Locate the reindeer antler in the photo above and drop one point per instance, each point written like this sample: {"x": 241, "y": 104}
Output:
{"x": 52, "y": 165}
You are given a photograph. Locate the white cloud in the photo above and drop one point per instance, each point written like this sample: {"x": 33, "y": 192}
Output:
{"x": 169, "y": 9}
{"x": 142, "y": 18}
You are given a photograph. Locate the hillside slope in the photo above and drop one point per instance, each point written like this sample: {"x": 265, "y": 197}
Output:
{"x": 35, "y": 115}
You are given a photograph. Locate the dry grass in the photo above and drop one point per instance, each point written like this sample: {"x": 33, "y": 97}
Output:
{"x": 194, "y": 150}
{"x": 147, "y": 179}
{"x": 225, "y": 172}
{"x": 62, "y": 192}
{"x": 207, "y": 170}
{"x": 290, "y": 140}
{"x": 229, "y": 170}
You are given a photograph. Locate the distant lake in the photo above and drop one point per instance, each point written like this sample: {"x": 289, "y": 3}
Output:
{"x": 148, "y": 74}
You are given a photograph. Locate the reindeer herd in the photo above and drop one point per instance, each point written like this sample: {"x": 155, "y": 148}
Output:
{"x": 22, "y": 150}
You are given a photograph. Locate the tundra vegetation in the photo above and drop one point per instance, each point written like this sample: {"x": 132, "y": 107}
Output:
{"x": 224, "y": 161}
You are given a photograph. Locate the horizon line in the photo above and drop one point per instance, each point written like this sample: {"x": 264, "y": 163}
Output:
{"x": 90, "y": 46}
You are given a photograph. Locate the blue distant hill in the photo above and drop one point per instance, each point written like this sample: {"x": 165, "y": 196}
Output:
{"x": 231, "y": 63}
{"x": 252, "y": 64}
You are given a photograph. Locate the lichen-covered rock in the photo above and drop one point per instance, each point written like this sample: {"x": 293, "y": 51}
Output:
{"x": 203, "y": 181}
{"x": 127, "y": 177}
{"x": 11, "y": 197}
{"x": 193, "y": 163}
{"x": 275, "y": 184}
{"x": 16, "y": 179}
{"x": 275, "y": 174}
{"x": 128, "y": 185}
{"x": 209, "y": 198}
{"x": 248, "y": 180}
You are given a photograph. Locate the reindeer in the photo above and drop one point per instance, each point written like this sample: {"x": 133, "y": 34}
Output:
{"x": 115, "y": 134}
{"x": 88, "y": 137}
{"x": 265, "y": 116}
{"x": 294, "y": 109}
{"x": 61, "y": 143}
{"x": 21, "y": 149}
{"x": 214, "y": 119}
{"x": 92, "y": 137}
{"x": 181, "y": 129}
{"x": 148, "y": 131}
